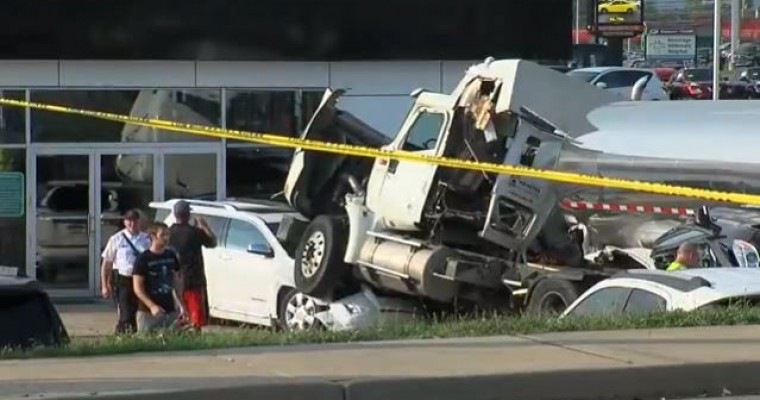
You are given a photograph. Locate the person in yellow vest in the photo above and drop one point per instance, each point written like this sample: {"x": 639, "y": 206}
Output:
{"x": 687, "y": 257}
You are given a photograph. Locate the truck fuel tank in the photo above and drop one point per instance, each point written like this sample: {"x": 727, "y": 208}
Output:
{"x": 407, "y": 268}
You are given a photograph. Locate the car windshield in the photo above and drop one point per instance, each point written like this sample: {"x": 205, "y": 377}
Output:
{"x": 585, "y": 75}
{"x": 698, "y": 74}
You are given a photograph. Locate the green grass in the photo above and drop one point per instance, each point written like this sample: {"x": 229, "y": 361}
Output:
{"x": 454, "y": 327}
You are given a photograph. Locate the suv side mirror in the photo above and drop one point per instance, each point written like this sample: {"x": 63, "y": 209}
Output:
{"x": 601, "y": 85}
{"x": 260, "y": 249}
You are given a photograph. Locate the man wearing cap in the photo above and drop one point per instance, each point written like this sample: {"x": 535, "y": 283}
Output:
{"x": 119, "y": 255}
{"x": 188, "y": 241}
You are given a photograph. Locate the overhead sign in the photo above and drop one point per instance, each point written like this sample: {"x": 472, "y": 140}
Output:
{"x": 671, "y": 47}
{"x": 11, "y": 194}
{"x": 619, "y": 18}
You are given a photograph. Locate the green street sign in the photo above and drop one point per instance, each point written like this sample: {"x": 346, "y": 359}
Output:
{"x": 11, "y": 194}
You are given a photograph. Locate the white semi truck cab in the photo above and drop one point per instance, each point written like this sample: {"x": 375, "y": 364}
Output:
{"x": 438, "y": 233}
{"x": 464, "y": 236}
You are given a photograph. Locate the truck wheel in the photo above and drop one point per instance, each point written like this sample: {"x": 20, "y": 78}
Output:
{"x": 552, "y": 295}
{"x": 319, "y": 266}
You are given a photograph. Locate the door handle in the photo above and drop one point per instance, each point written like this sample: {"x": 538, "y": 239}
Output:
{"x": 392, "y": 164}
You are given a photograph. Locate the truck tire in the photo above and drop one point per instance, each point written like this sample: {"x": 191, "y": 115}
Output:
{"x": 319, "y": 266}
{"x": 552, "y": 295}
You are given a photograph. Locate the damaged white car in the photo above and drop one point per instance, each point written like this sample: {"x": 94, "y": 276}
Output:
{"x": 250, "y": 273}
{"x": 724, "y": 236}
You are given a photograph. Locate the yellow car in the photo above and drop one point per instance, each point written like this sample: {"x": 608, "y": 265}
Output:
{"x": 618, "y": 7}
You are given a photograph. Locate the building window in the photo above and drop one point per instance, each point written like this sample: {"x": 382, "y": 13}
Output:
{"x": 284, "y": 112}
{"x": 12, "y": 119}
{"x": 13, "y": 238}
{"x": 197, "y": 106}
{"x": 190, "y": 176}
{"x": 257, "y": 172}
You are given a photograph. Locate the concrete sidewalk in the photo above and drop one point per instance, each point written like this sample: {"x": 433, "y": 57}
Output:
{"x": 88, "y": 319}
{"x": 578, "y": 351}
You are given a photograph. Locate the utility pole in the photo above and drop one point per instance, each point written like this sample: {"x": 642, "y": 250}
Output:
{"x": 577, "y": 21}
{"x": 716, "y": 49}
{"x": 735, "y": 31}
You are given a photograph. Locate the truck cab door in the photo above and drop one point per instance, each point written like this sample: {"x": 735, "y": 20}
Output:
{"x": 397, "y": 190}
{"x": 520, "y": 207}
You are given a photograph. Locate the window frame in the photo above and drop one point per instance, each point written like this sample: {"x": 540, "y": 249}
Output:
{"x": 623, "y": 74}
{"x": 639, "y": 285}
{"x": 587, "y": 298}
{"x": 413, "y": 122}
{"x": 664, "y": 299}
{"x": 254, "y": 225}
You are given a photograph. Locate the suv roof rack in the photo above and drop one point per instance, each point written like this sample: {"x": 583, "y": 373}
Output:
{"x": 258, "y": 206}
{"x": 674, "y": 280}
{"x": 211, "y": 204}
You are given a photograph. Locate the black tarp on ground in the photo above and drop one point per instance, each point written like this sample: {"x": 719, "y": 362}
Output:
{"x": 27, "y": 316}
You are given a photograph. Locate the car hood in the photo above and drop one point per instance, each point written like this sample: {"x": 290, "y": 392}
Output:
{"x": 317, "y": 180}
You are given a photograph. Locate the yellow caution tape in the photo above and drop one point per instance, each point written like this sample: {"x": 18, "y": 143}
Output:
{"x": 358, "y": 151}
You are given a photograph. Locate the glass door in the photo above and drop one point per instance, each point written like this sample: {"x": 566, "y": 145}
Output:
{"x": 63, "y": 241}
{"x": 125, "y": 180}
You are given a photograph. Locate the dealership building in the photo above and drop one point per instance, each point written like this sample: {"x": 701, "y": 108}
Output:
{"x": 257, "y": 66}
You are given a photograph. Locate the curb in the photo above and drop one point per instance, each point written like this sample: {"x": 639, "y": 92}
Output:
{"x": 635, "y": 383}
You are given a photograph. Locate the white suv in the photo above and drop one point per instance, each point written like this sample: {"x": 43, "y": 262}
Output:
{"x": 250, "y": 272}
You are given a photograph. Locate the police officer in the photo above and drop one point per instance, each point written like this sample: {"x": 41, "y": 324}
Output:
{"x": 687, "y": 257}
{"x": 119, "y": 256}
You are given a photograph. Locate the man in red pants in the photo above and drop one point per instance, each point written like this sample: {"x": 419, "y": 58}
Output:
{"x": 188, "y": 240}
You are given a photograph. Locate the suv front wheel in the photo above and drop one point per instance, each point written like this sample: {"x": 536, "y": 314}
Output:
{"x": 297, "y": 312}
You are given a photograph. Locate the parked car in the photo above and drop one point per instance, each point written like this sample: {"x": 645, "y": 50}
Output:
{"x": 640, "y": 292}
{"x": 250, "y": 272}
{"x": 618, "y": 7}
{"x": 747, "y": 54}
{"x": 745, "y": 85}
{"x": 29, "y": 317}
{"x": 691, "y": 84}
{"x": 621, "y": 81}
{"x": 63, "y": 228}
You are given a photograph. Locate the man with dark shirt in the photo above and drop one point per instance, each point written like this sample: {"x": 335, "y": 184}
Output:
{"x": 188, "y": 241}
{"x": 158, "y": 283}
